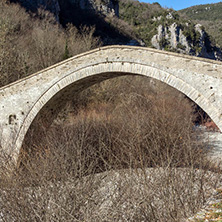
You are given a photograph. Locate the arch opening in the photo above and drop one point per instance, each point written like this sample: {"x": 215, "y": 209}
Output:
{"x": 146, "y": 91}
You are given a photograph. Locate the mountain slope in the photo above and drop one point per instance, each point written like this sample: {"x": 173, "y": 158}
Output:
{"x": 165, "y": 29}
{"x": 209, "y": 15}
{"x": 208, "y": 12}
{"x": 120, "y": 22}
{"x": 100, "y": 14}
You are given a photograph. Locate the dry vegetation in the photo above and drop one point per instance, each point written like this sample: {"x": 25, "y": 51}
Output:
{"x": 209, "y": 15}
{"x": 29, "y": 44}
{"x": 127, "y": 153}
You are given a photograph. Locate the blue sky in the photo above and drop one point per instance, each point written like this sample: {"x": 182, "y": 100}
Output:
{"x": 180, "y": 4}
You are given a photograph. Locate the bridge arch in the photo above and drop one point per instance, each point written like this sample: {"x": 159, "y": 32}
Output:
{"x": 102, "y": 71}
{"x": 21, "y": 102}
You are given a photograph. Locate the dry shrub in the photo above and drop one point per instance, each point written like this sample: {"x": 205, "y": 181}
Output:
{"x": 134, "y": 159}
{"x": 153, "y": 194}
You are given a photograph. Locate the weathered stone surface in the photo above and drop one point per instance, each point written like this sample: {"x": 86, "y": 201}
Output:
{"x": 21, "y": 101}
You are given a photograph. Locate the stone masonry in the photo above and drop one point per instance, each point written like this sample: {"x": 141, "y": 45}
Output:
{"x": 46, "y": 91}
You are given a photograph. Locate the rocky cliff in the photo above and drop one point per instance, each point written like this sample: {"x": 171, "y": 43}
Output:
{"x": 104, "y": 7}
{"x": 175, "y": 37}
{"x": 166, "y": 29}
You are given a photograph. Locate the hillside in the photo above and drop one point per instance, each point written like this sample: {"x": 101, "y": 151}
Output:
{"x": 102, "y": 15}
{"x": 209, "y": 16}
{"x": 132, "y": 22}
{"x": 207, "y": 12}
{"x": 165, "y": 29}
{"x": 29, "y": 43}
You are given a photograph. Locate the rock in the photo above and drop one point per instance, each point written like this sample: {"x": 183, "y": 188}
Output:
{"x": 173, "y": 38}
{"x": 175, "y": 34}
{"x": 105, "y": 7}
{"x": 157, "y": 19}
{"x": 162, "y": 34}
{"x": 207, "y": 50}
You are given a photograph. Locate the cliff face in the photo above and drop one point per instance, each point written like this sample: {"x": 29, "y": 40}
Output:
{"x": 188, "y": 39}
{"x": 104, "y": 7}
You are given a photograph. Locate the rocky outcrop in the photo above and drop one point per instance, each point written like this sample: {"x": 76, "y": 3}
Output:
{"x": 207, "y": 50}
{"x": 172, "y": 37}
{"x": 105, "y": 7}
{"x": 186, "y": 39}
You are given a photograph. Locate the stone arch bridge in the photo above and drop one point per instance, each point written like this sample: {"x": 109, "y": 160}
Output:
{"x": 44, "y": 92}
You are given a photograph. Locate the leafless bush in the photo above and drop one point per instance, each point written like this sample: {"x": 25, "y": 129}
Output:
{"x": 60, "y": 183}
